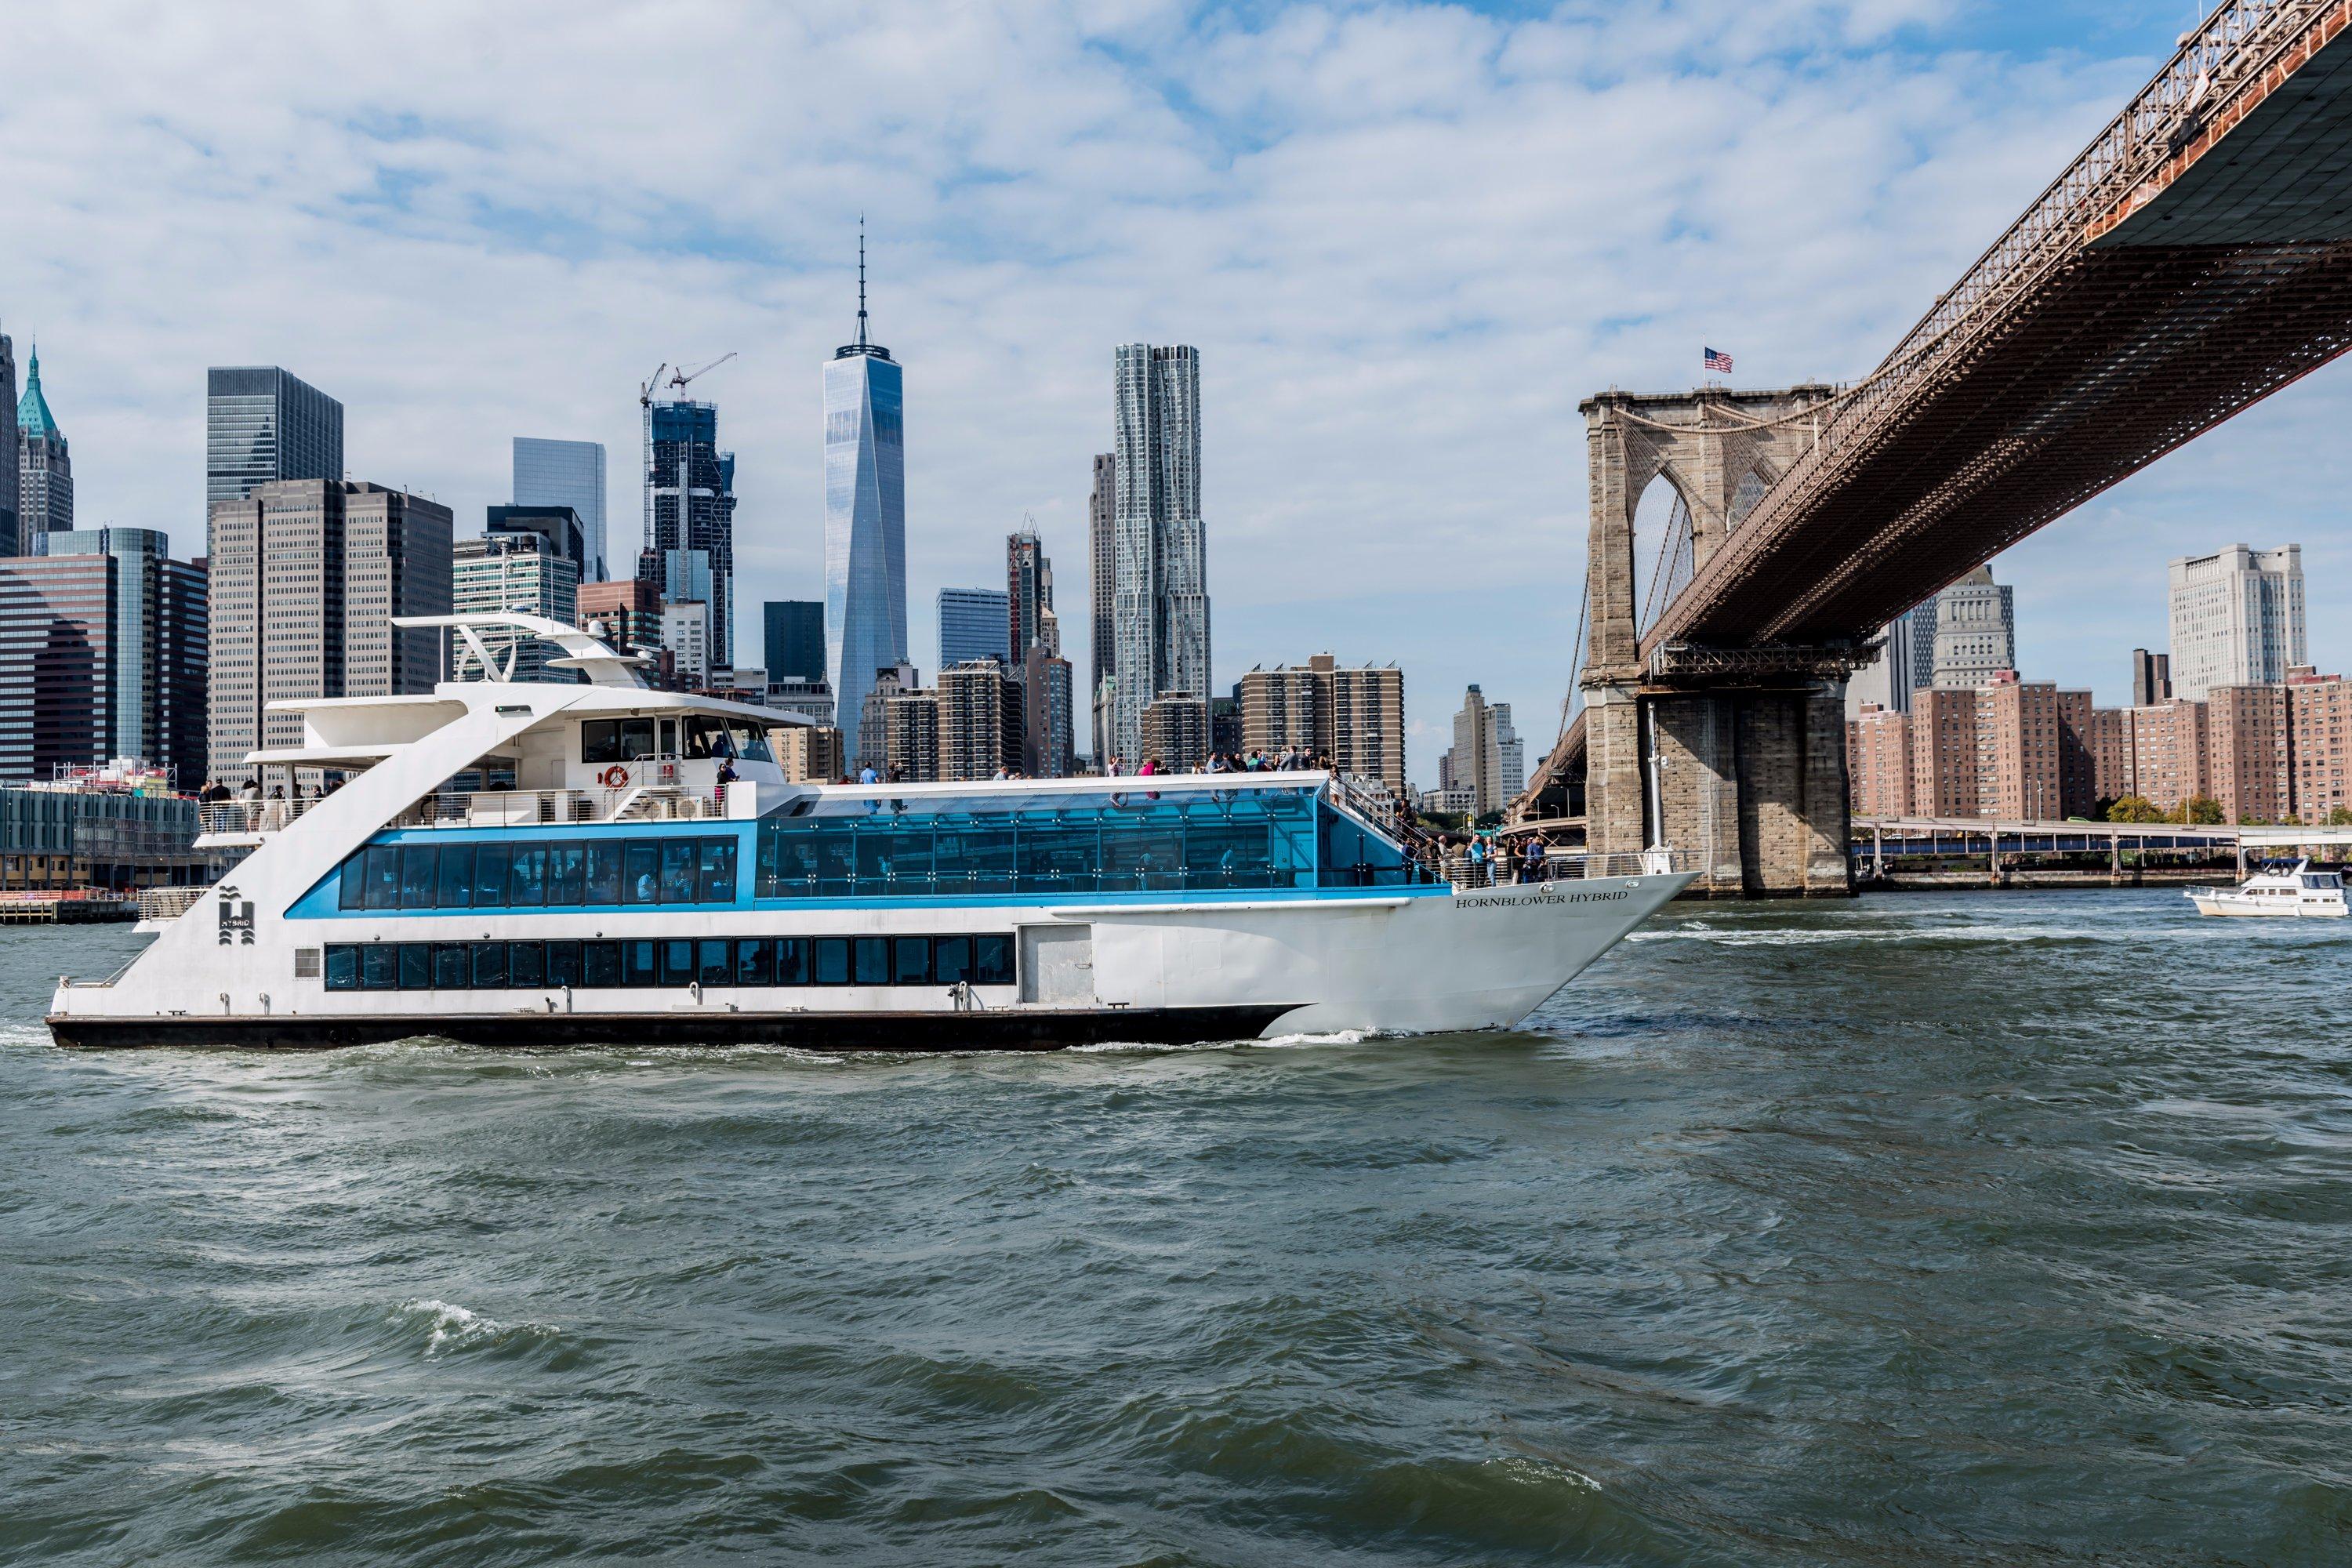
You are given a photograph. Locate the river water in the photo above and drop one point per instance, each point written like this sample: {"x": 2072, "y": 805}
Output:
{"x": 1933, "y": 1228}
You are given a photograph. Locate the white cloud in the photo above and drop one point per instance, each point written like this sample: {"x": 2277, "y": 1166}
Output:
{"x": 1407, "y": 238}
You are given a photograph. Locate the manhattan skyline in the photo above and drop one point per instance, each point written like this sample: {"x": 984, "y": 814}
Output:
{"x": 1398, "y": 295}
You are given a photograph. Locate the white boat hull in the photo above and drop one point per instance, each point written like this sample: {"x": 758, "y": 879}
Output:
{"x": 1418, "y": 961}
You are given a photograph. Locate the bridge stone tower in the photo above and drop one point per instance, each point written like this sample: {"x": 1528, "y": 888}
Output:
{"x": 1735, "y": 755}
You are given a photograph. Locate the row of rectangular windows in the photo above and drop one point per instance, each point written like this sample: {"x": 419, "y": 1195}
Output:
{"x": 649, "y": 962}
{"x": 568, "y": 874}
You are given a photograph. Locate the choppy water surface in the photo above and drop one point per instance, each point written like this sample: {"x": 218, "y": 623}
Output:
{"x": 1931, "y": 1229}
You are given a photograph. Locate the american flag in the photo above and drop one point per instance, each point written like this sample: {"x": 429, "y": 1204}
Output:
{"x": 1718, "y": 360}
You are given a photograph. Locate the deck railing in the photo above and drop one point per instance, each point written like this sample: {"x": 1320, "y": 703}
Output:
{"x": 1565, "y": 865}
{"x": 489, "y": 808}
{"x": 168, "y": 903}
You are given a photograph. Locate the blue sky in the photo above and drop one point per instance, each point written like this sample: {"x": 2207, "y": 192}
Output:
{"x": 1406, "y": 239}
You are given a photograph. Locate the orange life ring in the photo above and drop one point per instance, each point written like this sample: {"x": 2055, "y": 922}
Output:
{"x": 615, "y": 777}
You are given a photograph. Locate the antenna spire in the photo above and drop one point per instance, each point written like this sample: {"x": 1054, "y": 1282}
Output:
{"x": 861, "y": 281}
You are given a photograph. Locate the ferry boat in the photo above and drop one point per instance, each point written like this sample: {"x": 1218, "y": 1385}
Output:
{"x": 2294, "y": 893}
{"x": 541, "y": 865}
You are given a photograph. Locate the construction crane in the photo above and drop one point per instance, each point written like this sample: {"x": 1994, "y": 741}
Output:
{"x": 681, "y": 376}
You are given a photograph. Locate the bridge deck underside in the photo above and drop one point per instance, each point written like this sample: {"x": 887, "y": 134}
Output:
{"x": 2233, "y": 280}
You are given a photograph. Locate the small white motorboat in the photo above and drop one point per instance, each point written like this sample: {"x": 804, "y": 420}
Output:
{"x": 2278, "y": 889}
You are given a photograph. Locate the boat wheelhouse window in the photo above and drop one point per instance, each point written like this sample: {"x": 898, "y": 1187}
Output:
{"x": 603, "y": 741}
{"x": 704, "y": 735}
{"x": 750, "y": 740}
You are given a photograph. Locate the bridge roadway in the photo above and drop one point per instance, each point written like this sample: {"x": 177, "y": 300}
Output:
{"x": 2194, "y": 258}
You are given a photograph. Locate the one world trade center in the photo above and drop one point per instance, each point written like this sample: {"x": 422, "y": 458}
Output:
{"x": 865, "y": 523}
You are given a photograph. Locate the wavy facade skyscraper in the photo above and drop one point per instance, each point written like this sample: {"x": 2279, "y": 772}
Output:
{"x": 864, "y": 520}
{"x": 1160, "y": 597}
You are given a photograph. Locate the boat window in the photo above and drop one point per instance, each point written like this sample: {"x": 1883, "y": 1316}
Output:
{"x": 384, "y": 877}
{"x": 604, "y": 881}
{"x": 566, "y": 873}
{"x": 416, "y": 889}
{"x": 603, "y": 741}
{"x": 1133, "y": 844}
{"x": 600, "y": 965}
{"x": 490, "y": 875}
{"x": 670, "y": 962}
{"x": 705, "y": 736}
{"x": 751, "y": 742}
{"x": 352, "y": 892}
{"x": 679, "y": 858}
{"x": 641, "y": 879}
{"x": 718, "y": 876}
{"x": 527, "y": 877}
{"x": 455, "y": 889}
{"x": 667, "y": 738}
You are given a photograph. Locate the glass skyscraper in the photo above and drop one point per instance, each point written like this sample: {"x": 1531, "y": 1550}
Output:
{"x": 1160, "y": 599}
{"x": 971, "y": 626}
{"x": 796, "y": 639}
{"x": 260, "y": 425}
{"x": 690, "y": 549}
{"x": 864, "y": 521}
{"x": 566, "y": 473}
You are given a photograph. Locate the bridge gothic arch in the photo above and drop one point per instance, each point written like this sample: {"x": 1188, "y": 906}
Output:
{"x": 1721, "y": 450}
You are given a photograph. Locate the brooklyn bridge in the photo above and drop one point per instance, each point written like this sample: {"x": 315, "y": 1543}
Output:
{"x": 2196, "y": 258}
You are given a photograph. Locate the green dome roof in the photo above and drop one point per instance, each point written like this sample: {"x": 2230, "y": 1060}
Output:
{"x": 33, "y": 415}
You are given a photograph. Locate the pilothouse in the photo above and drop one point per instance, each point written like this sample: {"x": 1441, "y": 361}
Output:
{"x": 528, "y": 863}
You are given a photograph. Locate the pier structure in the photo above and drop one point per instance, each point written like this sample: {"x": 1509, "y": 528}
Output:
{"x": 2194, "y": 258}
